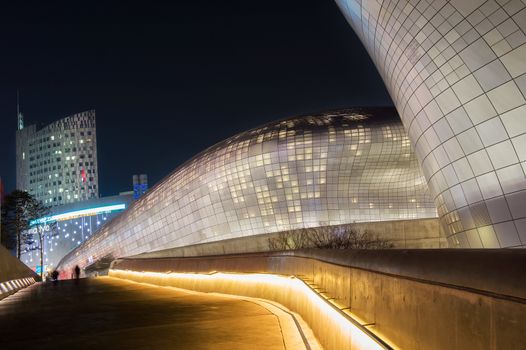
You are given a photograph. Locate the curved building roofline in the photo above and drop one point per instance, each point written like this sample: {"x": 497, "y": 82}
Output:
{"x": 327, "y": 169}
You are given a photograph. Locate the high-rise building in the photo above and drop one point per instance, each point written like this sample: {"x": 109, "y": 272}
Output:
{"x": 57, "y": 163}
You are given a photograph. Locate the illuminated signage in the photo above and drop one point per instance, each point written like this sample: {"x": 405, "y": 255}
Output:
{"x": 39, "y": 229}
{"x": 79, "y": 213}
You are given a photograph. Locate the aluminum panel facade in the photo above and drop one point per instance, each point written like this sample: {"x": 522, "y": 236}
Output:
{"x": 327, "y": 169}
{"x": 456, "y": 73}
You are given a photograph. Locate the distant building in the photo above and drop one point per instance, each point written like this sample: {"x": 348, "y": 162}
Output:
{"x": 140, "y": 185}
{"x": 68, "y": 226}
{"x": 57, "y": 163}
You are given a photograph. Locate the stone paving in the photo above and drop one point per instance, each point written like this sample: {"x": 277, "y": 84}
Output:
{"x": 108, "y": 313}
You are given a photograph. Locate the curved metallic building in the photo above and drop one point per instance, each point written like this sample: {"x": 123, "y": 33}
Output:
{"x": 456, "y": 73}
{"x": 327, "y": 169}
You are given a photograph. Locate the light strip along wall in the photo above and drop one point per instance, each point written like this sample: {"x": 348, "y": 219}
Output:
{"x": 79, "y": 213}
{"x": 9, "y": 287}
{"x": 333, "y": 327}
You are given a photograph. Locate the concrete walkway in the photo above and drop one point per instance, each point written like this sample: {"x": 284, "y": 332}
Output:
{"x": 108, "y": 313}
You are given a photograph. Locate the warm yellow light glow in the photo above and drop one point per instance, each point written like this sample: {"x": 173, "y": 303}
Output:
{"x": 14, "y": 285}
{"x": 289, "y": 291}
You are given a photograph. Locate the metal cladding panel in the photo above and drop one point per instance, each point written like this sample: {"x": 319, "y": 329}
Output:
{"x": 456, "y": 73}
{"x": 326, "y": 169}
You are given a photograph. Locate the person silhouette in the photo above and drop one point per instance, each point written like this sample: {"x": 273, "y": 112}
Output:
{"x": 54, "y": 276}
{"x": 77, "y": 272}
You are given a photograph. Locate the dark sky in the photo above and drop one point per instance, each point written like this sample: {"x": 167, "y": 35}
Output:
{"x": 169, "y": 79}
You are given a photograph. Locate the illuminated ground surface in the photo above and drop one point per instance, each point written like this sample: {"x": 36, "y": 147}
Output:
{"x": 106, "y": 313}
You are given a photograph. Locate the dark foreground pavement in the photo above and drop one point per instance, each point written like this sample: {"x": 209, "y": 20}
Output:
{"x": 107, "y": 313}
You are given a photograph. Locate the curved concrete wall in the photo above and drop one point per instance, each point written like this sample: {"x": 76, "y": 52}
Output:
{"x": 319, "y": 170}
{"x": 412, "y": 299}
{"x": 332, "y": 328}
{"x": 456, "y": 73}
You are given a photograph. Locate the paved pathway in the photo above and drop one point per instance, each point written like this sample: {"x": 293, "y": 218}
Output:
{"x": 108, "y": 313}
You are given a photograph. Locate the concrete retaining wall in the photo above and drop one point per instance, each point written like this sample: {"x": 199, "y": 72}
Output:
{"x": 14, "y": 275}
{"x": 331, "y": 328}
{"x": 414, "y": 299}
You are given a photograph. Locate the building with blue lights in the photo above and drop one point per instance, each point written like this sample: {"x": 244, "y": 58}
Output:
{"x": 140, "y": 185}
{"x": 69, "y": 225}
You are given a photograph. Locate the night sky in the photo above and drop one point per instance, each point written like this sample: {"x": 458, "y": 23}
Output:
{"x": 169, "y": 80}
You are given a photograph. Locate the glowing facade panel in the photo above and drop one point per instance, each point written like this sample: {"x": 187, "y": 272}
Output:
{"x": 456, "y": 73}
{"x": 327, "y": 169}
